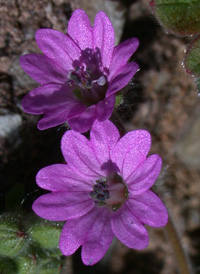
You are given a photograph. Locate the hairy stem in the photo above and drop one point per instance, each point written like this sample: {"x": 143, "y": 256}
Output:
{"x": 182, "y": 259}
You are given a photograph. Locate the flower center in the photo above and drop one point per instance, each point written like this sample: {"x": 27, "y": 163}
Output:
{"x": 89, "y": 85}
{"x": 110, "y": 192}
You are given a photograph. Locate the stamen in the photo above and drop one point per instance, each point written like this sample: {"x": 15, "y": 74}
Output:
{"x": 110, "y": 192}
{"x": 88, "y": 71}
{"x": 75, "y": 77}
{"x": 100, "y": 192}
{"x": 70, "y": 83}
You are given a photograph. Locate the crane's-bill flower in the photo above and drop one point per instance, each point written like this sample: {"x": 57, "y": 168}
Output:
{"x": 103, "y": 191}
{"x": 79, "y": 73}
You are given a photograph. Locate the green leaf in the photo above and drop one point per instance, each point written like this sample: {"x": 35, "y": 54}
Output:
{"x": 7, "y": 266}
{"x": 12, "y": 239}
{"x": 26, "y": 264}
{"x": 179, "y": 16}
{"x": 118, "y": 100}
{"x": 46, "y": 233}
{"x": 198, "y": 85}
{"x": 50, "y": 266}
{"x": 192, "y": 57}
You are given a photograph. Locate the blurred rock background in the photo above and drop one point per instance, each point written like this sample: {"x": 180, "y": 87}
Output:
{"x": 162, "y": 99}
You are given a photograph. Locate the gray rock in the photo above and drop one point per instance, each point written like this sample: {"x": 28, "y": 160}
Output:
{"x": 9, "y": 126}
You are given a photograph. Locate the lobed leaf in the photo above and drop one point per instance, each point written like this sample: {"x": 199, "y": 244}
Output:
{"x": 192, "y": 57}
{"x": 179, "y": 16}
{"x": 46, "y": 234}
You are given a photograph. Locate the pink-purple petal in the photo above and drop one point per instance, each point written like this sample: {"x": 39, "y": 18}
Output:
{"x": 58, "y": 46}
{"x": 105, "y": 108}
{"x": 104, "y": 37}
{"x": 130, "y": 151}
{"x": 80, "y": 29}
{"x": 52, "y": 98}
{"x": 41, "y": 98}
{"x": 149, "y": 209}
{"x": 129, "y": 230}
{"x": 61, "y": 206}
{"x": 98, "y": 239}
{"x": 103, "y": 137}
{"x": 83, "y": 121}
{"x": 78, "y": 153}
{"x": 75, "y": 231}
{"x": 121, "y": 55}
{"x": 145, "y": 175}
{"x": 58, "y": 116}
{"x": 61, "y": 177}
{"x": 122, "y": 78}
{"x": 42, "y": 69}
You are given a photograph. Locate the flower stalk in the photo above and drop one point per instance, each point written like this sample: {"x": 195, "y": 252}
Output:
{"x": 181, "y": 256}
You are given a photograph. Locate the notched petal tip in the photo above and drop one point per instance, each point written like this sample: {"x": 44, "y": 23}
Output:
{"x": 78, "y": 12}
{"x": 103, "y": 15}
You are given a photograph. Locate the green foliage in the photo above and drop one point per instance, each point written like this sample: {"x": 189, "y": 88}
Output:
{"x": 179, "y": 16}
{"x": 192, "y": 57}
{"x": 50, "y": 266}
{"x": 182, "y": 17}
{"x": 12, "y": 238}
{"x": 198, "y": 85}
{"x": 29, "y": 244}
{"x": 119, "y": 100}
{"x": 45, "y": 233}
{"x": 26, "y": 264}
{"x": 8, "y": 266}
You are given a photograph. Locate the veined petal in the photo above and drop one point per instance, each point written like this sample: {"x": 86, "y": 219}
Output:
{"x": 105, "y": 108}
{"x": 42, "y": 69}
{"x": 61, "y": 177}
{"x": 75, "y": 231}
{"x": 145, "y": 175}
{"x": 98, "y": 239}
{"x": 129, "y": 230}
{"x": 61, "y": 206}
{"x": 78, "y": 153}
{"x": 122, "y": 78}
{"x": 104, "y": 37}
{"x": 58, "y": 46}
{"x": 59, "y": 115}
{"x": 130, "y": 151}
{"x": 103, "y": 137}
{"x": 80, "y": 29}
{"x": 83, "y": 121}
{"x": 121, "y": 55}
{"x": 149, "y": 209}
{"x": 45, "y": 97}
{"x": 56, "y": 102}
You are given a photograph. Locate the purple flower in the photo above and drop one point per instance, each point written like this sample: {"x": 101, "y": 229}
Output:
{"x": 79, "y": 73}
{"x": 103, "y": 191}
